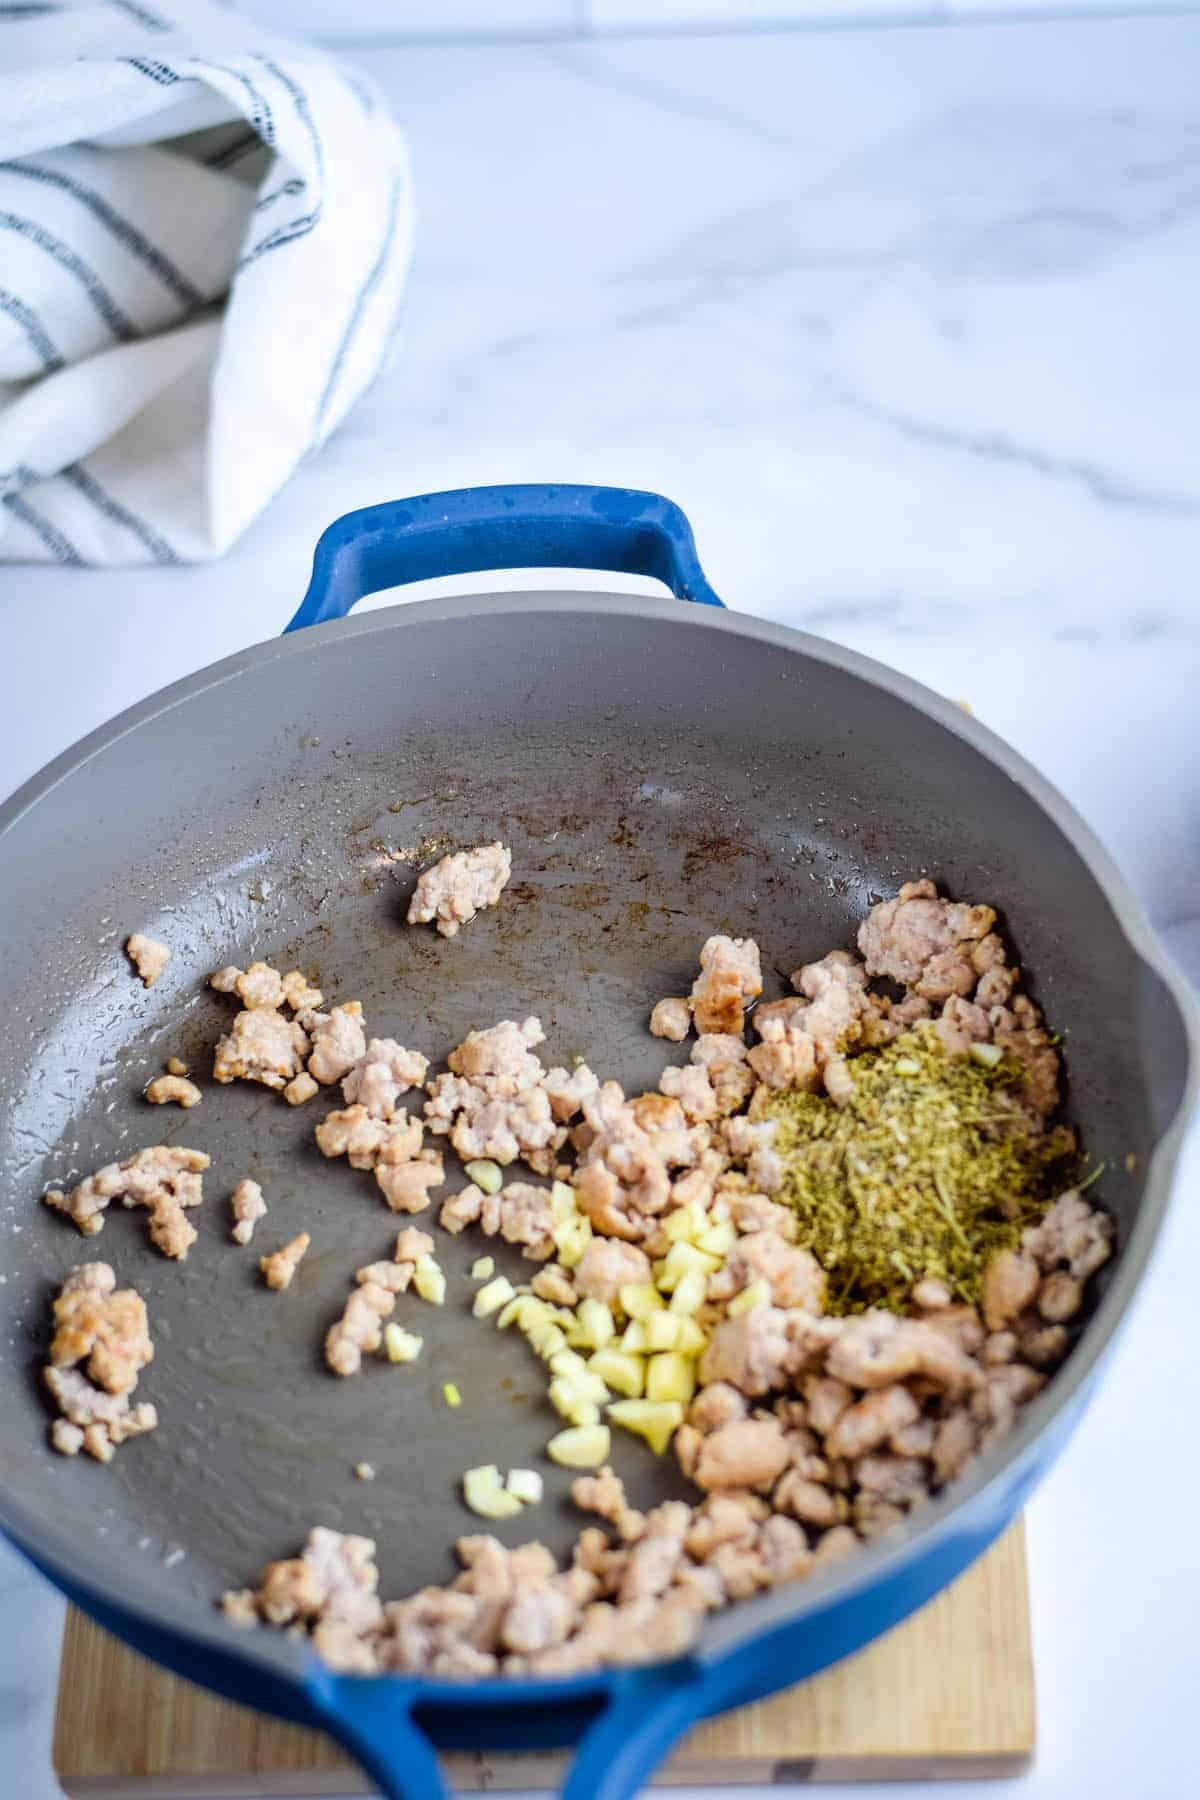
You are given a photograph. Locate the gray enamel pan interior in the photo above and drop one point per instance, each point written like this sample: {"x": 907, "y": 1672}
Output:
{"x": 660, "y": 772}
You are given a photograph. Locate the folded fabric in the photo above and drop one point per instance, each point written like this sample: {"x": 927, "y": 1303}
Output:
{"x": 204, "y": 236}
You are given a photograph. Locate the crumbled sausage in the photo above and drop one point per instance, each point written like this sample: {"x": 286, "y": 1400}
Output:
{"x": 102, "y": 1327}
{"x": 923, "y": 942}
{"x": 100, "y": 1345}
{"x": 165, "y": 1179}
{"x": 1010, "y": 1282}
{"x": 607, "y": 1265}
{"x": 359, "y": 1329}
{"x": 279, "y": 1267}
{"x": 338, "y": 1041}
{"x": 555, "y": 1284}
{"x": 749, "y": 1453}
{"x": 730, "y": 976}
{"x": 300, "y": 1089}
{"x": 671, "y": 1019}
{"x": 148, "y": 957}
{"x": 1072, "y": 1233}
{"x": 567, "y": 1092}
{"x": 1060, "y": 1297}
{"x": 459, "y": 886}
{"x": 526, "y": 1219}
{"x": 871, "y": 1421}
{"x": 365, "y": 1141}
{"x": 379, "y": 1077}
{"x": 248, "y": 1208}
{"x": 261, "y": 1045}
{"x": 795, "y": 1277}
{"x": 875, "y": 1349}
{"x": 405, "y": 1185}
{"x": 166, "y": 1090}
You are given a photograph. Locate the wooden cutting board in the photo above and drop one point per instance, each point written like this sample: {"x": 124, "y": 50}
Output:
{"x": 949, "y": 1693}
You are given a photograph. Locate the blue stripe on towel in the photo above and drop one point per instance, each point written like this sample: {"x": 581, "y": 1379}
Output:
{"x": 35, "y": 331}
{"x": 154, "y": 71}
{"x": 117, "y": 321}
{"x": 18, "y": 477}
{"x": 282, "y": 234}
{"x": 365, "y": 292}
{"x": 87, "y": 485}
{"x": 300, "y": 101}
{"x": 151, "y": 20}
{"x": 295, "y": 186}
{"x": 126, "y": 233}
{"x": 60, "y": 548}
{"x": 260, "y": 112}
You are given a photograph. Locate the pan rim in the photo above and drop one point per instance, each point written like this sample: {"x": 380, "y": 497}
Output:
{"x": 932, "y": 1524}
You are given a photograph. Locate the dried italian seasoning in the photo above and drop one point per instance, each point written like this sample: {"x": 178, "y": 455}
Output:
{"x": 929, "y": 1167}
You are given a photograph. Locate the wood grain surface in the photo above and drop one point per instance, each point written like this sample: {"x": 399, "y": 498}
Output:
{"x": 949, "y": 1693}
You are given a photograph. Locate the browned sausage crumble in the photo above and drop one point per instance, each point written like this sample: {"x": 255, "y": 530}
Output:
{"x": 100, "y": 1345}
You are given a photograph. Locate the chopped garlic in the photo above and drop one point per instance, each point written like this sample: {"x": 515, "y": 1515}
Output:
{"x": 491, "y": 1298}
{"x": 365, "y": 1471}
{"x": 581, "y": 1447}
{"x": 670, "y": 1376}
{"x": 654, "y": 1420}
{"x": 572, "y": 1403}
{"x": 483, "y": 1268}
{"x": 401, "y": 1346}
{"x": 750, "y": 1299}
{"x": 990, "y": 1055}
{"x": 619, "y": 1370}
{"x": 640, "y": 1298}
{"x": 686, "y": 1223}
{"x": 450, "y": 1394}
{"x": 571, "y": 1239}
{"x": 662, "y": 1330}
{"x": 429, "y": 1281}
{"x": 515, "y": 1312}
{"x": 485, "y": 1175}
{"x": 691, "y": 1291}
{"x": 681, "y": 1258}
{"x": 718, "y": 1240}
{"x": 526, "y": 1485}
{"x": 691, "y": 1339}
{"x": 485, "y": 1493}
{"x": 594, "y": 1325}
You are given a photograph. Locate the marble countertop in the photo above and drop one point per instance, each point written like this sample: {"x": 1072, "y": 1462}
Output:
{"x": 906, "y": 321}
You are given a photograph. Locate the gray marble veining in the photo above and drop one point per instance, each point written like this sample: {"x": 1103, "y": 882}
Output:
{"x": 906, "y": 319}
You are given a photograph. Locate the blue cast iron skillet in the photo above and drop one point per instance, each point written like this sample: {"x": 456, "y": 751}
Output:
{"x": 660, "y": 771}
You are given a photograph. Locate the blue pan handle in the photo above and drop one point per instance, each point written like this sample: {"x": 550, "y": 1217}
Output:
{"x": 631, "y": 1720}
{"x": 529, "y": 527}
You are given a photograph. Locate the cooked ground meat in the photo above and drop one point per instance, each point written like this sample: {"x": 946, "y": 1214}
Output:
{"x": 808, "y": 1433}
{"x": 165, "y": 1179}
{"x": 148, "y": 957}
{"x": 248, "y": 1208}
{"x": 730, "y": 976}
{"x": 100, "y": 1345}
{"x": 381, "y": 1075}
{"x": 279, "y": 1267}
{"x": 338, "y": 1041}
{"x": 671, "y": 1019}
{"x": 459, "y": 886}
{"x": 261, "y": 1045}
{"x": 177, "y": 1090}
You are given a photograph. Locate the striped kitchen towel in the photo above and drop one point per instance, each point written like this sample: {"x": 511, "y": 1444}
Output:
{"x": 204, "y": 236}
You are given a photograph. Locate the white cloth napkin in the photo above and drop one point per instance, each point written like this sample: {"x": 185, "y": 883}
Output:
{"x": 204, "y": 235}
